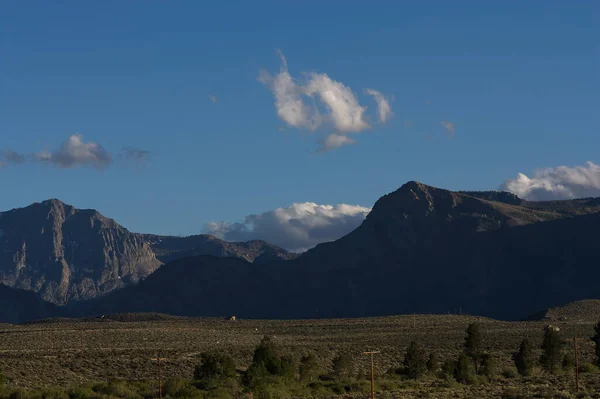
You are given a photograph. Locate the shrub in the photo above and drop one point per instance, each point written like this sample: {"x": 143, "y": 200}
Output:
{"x": 415, "y": 361}
{"x": 286, "y": 368}
{"x": 588, "y": 368}
{"x": 508, "y": 374}
{"x": 568, "y": 362}
{"x": 341, "y": 366}
{"x": 271, "y": 392}
{"x": 308, "y": 367}
{"x": 213, "y": 369}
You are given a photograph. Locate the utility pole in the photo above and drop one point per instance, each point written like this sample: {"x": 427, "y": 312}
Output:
{"x": 371, "y": 353}
{"x": 158, "y": 360}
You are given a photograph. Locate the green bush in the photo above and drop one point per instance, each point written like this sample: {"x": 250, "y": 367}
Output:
{"x": 341, "y": 366}
{"x": 214, "y": 368}
{"x": 568, "y": 363}
{"x": 271, "y": 392}
{"x": 509, "y": 374}
{"x": 588, "y": 368}
{"x": 308, "y": 368}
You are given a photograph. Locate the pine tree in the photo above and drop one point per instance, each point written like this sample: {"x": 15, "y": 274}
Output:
{"x": 473, "y": 347}
{"x": 524, "y": 359}
{"x": 415, "y": 361}
{"x": 551, "y": 349}
{"x": 596, "y": 339}
{"x": 463, "y": 371}
{"x": 488, "y": 366}
{"x": 433, "y": 364}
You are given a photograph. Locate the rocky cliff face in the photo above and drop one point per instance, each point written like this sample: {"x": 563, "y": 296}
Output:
{"x": 67, "y": 254}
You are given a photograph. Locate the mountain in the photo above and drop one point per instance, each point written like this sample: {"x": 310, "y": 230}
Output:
{"x": 420, "y": 250}
{"x": 19, "y": 306}
{"x": 585, "y": 311}
{"x": 67, "y": 254}
{"x": 168, "y": 248}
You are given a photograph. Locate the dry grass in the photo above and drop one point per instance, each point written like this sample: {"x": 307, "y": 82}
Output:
{"x": 66, "y": 352}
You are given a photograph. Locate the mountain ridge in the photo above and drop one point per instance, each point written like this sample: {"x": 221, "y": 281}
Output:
{"x": 67, "y": 254}
{"x": 420, "y": 250}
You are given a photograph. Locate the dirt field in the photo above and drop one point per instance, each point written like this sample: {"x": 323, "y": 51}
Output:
{"x": 70, "y": 352}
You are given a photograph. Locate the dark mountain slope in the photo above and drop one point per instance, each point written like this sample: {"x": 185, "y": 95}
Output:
{"x": 19, "y": 306}
{"x": 421, "y": 250}
{"x": 168, "y": 248}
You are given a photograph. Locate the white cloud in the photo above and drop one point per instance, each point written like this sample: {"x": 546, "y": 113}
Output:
{"x": 562, "y": 182}
{"x": 288, "y": 99}
{"x": 296, "y": 228}
{"x": 296, "y": 102}
{"x": 383, "y": 105}
{"x": 75, "y": 152}
{"x": 346, "y": 114}
{"x": 449, "y": 126}
{"x": 335, "y": 140}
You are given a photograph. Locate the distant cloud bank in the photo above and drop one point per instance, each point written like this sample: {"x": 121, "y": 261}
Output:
{"x": 562, "y": 182}
{"x": 297, "y": 104}
{"x": 296, "y": 228}
{"x": 73, "y": 152}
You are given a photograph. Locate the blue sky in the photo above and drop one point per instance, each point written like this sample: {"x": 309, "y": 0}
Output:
{"x": 519, "y": 81}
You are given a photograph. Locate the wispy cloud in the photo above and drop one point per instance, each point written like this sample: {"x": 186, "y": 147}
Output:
{"x": 449, "y": 126}
{"x": 212, "y": 98}
{"x": 335, "y": 140}
{"x": 135, "y": 154}
{"x": 296, "y": 103}
{"x": 296, "y": 228}
{"x": 10, "y": 157}
{"x": 562, "y": 182}
{"x": 75, "y": 152}
{"x": 383, "y": 105}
